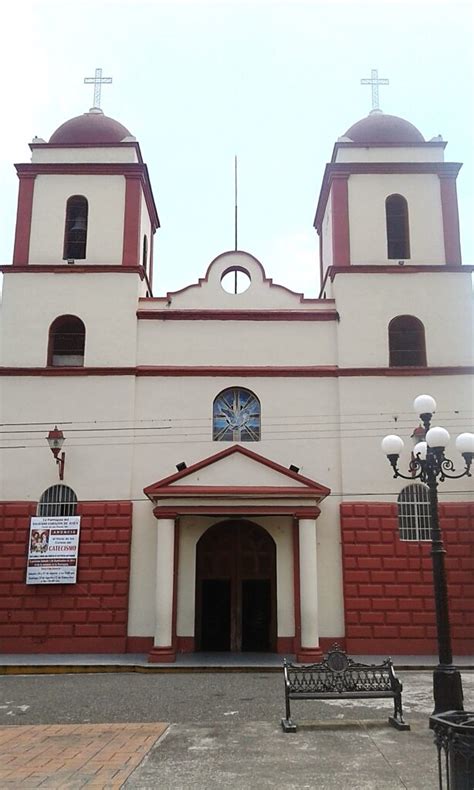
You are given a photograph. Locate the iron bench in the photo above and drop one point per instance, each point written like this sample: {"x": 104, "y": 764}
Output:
{"x": 339, "y": 677}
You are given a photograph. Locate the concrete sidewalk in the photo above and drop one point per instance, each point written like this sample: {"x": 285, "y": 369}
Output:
{"x": 44, "y": 663}
{"x": 356, "y": 755}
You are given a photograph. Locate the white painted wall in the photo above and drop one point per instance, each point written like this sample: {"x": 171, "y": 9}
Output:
{"x": 380, "y": 297}
{"x": 103, "y": 155}
{"x": 422, "y": 153}
{"x": 236, "y": 343}
{"x": 106, "y": 198}
{"x": 106, "y": 304}
{"x": 367, "y": 222}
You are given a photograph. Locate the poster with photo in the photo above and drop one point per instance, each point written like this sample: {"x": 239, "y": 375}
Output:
{"x": 53, "y": 550}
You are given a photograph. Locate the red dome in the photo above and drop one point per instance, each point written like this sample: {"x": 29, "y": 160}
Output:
{"x": 381, "y": 128}
{"x": 91, "y": 128}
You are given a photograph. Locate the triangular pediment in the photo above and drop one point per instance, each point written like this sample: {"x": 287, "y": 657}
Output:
{"x": 233, "y": 471}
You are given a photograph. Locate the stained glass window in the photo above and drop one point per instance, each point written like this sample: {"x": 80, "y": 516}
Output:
{"x": 236, "y": 416}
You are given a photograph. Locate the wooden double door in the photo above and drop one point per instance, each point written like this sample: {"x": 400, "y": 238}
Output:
{"x": 236, "y": 588}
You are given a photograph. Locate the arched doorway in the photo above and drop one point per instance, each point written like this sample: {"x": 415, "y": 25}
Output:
{"x": 236, "y": 588}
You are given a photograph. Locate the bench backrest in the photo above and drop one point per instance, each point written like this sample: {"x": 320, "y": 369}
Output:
{"x": 339, "y": 673}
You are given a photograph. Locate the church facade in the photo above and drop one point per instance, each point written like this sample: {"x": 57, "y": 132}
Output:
{"x": 221, "y": 464}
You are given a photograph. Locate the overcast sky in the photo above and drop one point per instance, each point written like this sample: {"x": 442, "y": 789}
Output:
{"x": 274, "y": 82}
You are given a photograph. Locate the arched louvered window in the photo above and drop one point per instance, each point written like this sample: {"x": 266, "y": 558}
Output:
{"x": 75, "y": 232}
{"x": 398, "y": 235}
{"x": 414, "y": 513}
{"x": 236, "y": 416}
{"x": 406, "y": 341}
{"x": 67, "y": 338}
{"x": 58, "y": 500}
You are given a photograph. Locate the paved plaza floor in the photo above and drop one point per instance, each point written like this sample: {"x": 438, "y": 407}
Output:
{"x": 208, "y": 731}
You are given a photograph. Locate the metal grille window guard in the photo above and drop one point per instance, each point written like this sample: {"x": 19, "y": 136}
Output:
{"x": 414, "y": 513}
{"x": 57, "y": 500}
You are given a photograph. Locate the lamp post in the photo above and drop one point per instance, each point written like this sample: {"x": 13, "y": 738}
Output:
{"x": 430, "y": 465}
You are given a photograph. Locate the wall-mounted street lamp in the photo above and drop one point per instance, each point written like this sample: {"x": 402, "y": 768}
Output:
{"x": 429, "y": 464}
{"x": 55, "y": 439}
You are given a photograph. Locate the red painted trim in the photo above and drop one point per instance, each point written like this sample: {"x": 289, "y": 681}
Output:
{"x": 139, "y": 644}
{"x": 150, "y": 269}
{"x": 346, "y": 169}
{"x": 70, "y": 644}
{"x": 296, "y": 585}
{"x": 340, "y": 221}
{"x": 449, "y": 208}
{"x": 316, "y": 371}
{"x": 127, "y": 169}
{"x": 396, "y": 269}
{"x": 237, "y": 315}
{"x": 162, "y": 655}
{"x": 131, "y": 229}
{"x": 174, "y": 611}
{"x": 309, "y": 655}
{"x": 161, "y": 511}
{"x": 23, "y": 220}
{"x": 65, "y": 268}
{"x": 166, "y": 483}
{"x": 231, "y": 491}
{"x": 285, "y": 645}
{"x": 186, "y": 644}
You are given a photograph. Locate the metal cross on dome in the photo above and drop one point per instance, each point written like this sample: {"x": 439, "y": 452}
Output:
{"x": 98, "y": 80}
{"x": 374, "y": 81}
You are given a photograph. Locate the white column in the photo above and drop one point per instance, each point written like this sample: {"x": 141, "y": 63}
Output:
{"x": 308, "y": 583}
{"x": 164, "y": 582}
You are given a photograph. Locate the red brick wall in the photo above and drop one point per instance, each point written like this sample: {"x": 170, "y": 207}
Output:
{"x": 87, "y": 617}
{"x": 388, "y": 583}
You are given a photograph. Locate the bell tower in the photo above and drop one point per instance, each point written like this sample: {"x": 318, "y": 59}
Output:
{"x": 388, "y": 198}
{"x": 85, "y": 199}
{"x": 83, "y": 251}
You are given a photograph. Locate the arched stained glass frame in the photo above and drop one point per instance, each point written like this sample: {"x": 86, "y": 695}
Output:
{"x": 236, "y": 416}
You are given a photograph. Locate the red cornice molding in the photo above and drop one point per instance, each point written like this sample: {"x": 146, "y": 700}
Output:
{"x": 137, "y": 169}
{"x": 316, "y": 371}
{"x": 65, "y": 268}
{"x": 298, "y": 511}
{"x": 346, "y": 169}
{"x": 237, "y": 315}
{"x": 224, "y": 492}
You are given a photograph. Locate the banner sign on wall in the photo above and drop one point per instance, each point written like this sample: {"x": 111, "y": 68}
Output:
{"x": 53, "y": 550}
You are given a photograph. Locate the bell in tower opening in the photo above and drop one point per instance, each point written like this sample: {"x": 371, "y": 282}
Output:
{"x": 75, "y": 236}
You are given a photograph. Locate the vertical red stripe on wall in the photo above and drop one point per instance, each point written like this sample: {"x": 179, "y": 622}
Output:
{"x": 131, "y": 228}
{"x": 21, "y": 248}
{"x": 340, "y": 220}
{"x": 388, "y": 583}
{"x": 449, "y": 208}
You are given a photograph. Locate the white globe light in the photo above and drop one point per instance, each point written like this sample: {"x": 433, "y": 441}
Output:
{"x": 437, "y": 437}
{"x": 424, "y": 404}
{"x": 420, "y": 450}
{"x": 465, "y": 443}
{"x": 392, "y": 445}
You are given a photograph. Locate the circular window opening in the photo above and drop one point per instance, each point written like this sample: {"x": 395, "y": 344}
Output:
{"x": 235, "y": 280}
